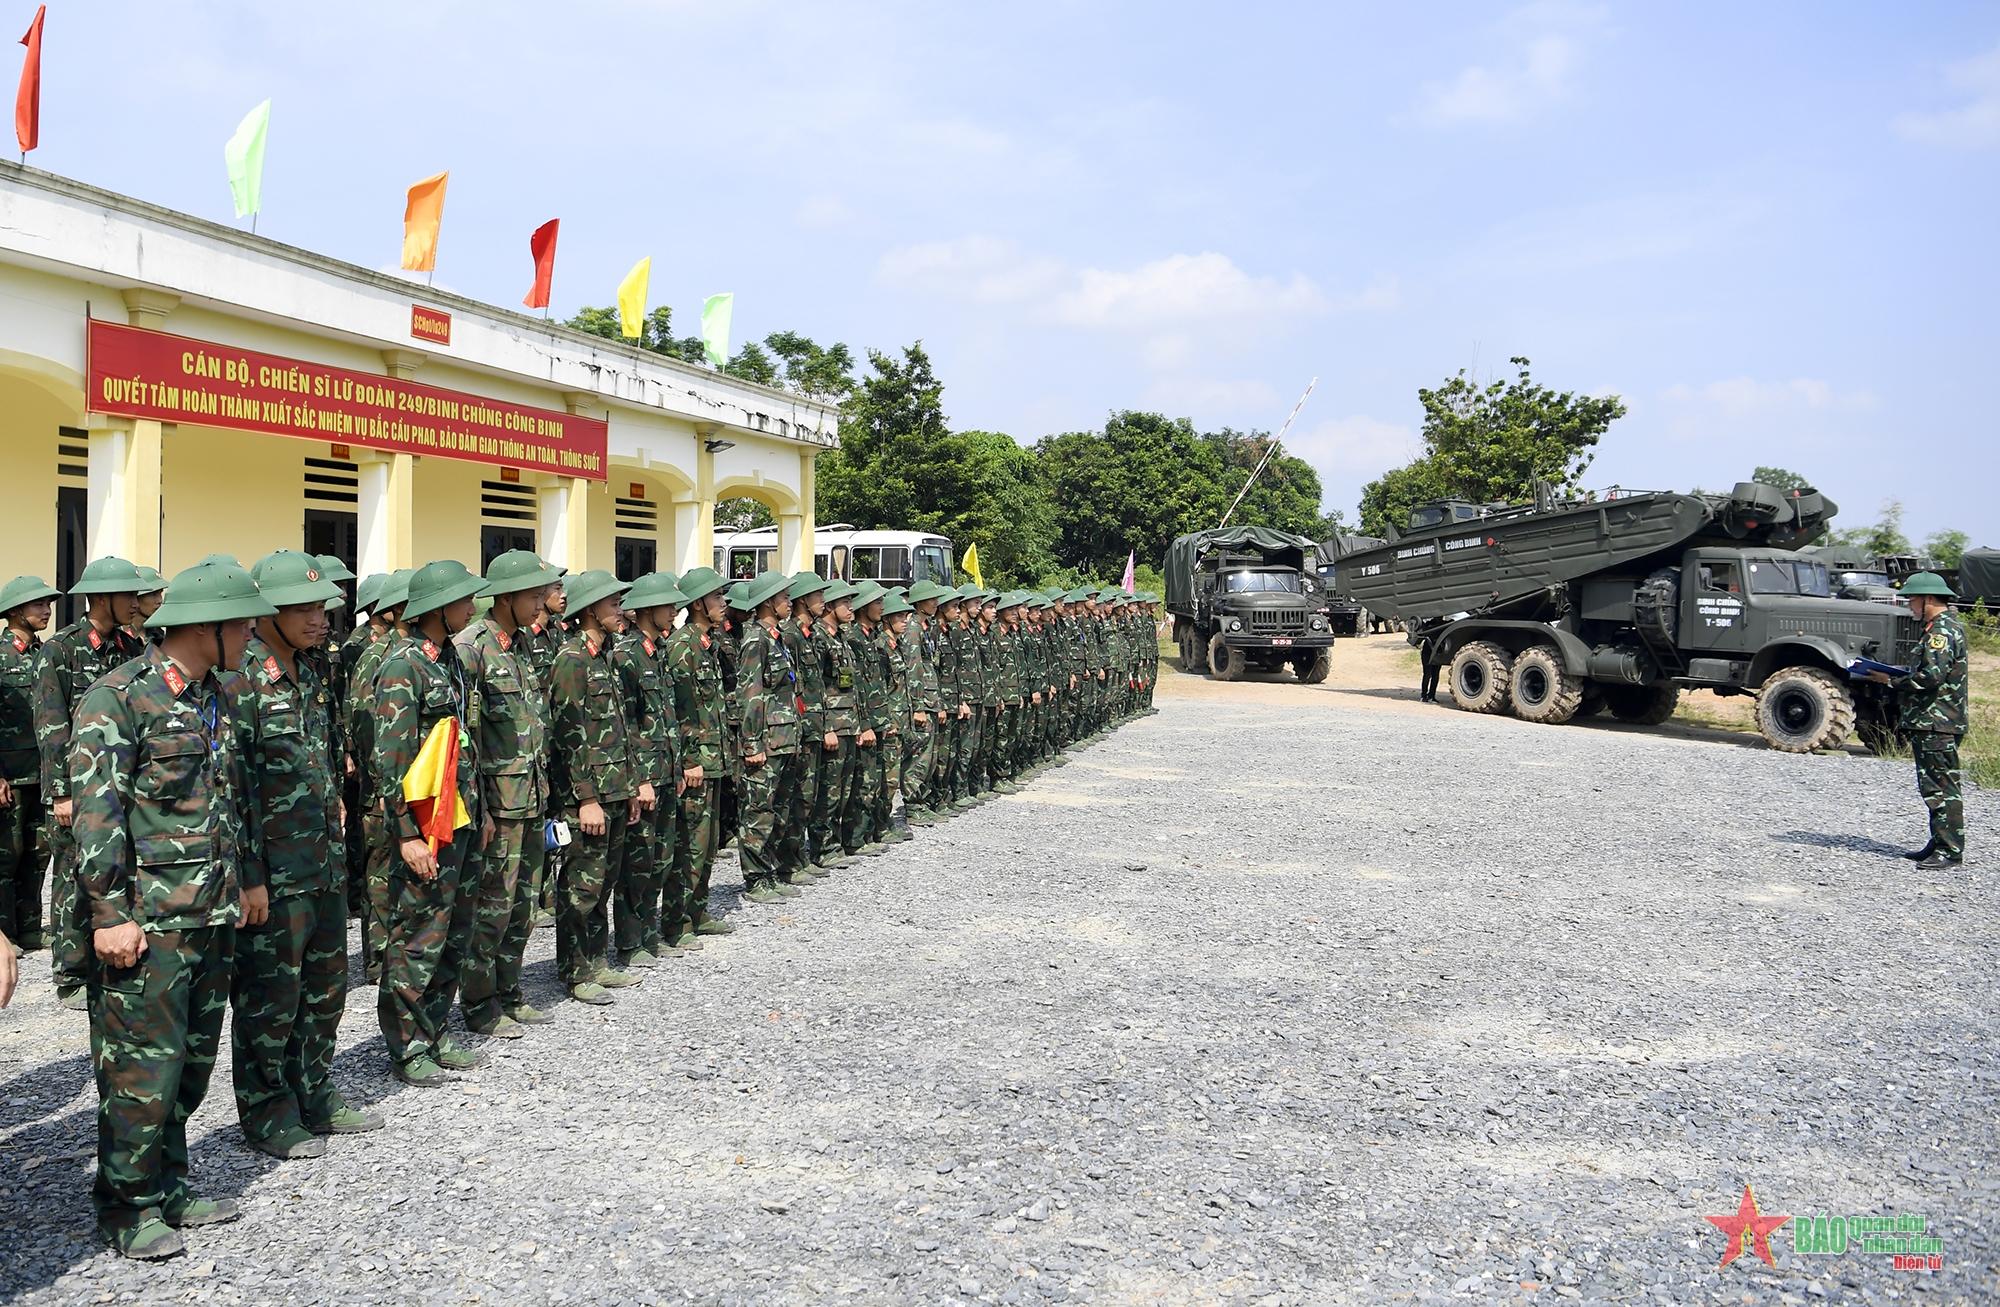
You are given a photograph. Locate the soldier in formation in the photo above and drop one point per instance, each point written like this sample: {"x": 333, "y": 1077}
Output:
{"x": 218, "y": 803}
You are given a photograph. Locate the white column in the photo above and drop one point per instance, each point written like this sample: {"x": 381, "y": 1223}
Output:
{"x": 385, "y": 502}
{"x": 553, "y": 502}
{"x": 790, "y": 533}
{"x": 690, "y": 550}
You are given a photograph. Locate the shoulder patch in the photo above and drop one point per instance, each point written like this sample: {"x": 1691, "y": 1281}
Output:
{"x": 1938, "y": 641}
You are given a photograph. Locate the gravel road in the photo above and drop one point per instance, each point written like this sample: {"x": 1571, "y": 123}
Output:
{"x": 1317, "y": 999}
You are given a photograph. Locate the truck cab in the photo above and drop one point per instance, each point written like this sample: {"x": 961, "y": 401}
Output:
{"x": 1246, "y": 599}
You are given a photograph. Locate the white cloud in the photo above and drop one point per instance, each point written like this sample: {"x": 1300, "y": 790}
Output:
{"x": 1972, "y": 125}
{"x": 981, "y": 269}
{"x": 1737, "y": 398}
{"x": 1214, "y": 401}
{"x": 1355, "y": 447}
{"x": 1624, "y": 229}
{"x": 1182, "y": 288}
{"x": 1542, "y": 47}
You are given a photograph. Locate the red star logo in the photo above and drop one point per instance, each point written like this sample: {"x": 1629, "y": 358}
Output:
{"x": 1745, "y": 1224}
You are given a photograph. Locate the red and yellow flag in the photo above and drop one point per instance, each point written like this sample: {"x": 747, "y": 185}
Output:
{"x": 423, "y": 214}
{"x": 432, "y": 776}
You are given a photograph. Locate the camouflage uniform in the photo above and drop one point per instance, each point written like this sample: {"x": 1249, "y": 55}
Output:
{"x": 944, "y": 669}
{"x": 700, "y": 708}
{"x": 727, "y": 637}
{"x": 593, "y": 760}
{"x": 1006, "y": 651}
{"x": 768, "y": 688}
{"x": 20, "y": 766}
{"x": 72, "y": 660}
{"x": 839, "y": 769}
{"x": 860, "y": 804}
{"x": 895, "y": 722}
{"x": 512, "y": 743}
{"x": 920, "y": 739}
{"x": 420, "y": 684}
{"x": 647, "y": 690}
{"x": 380, "y": 849}
{"x": 159, "y": 789}
{"x": 542, "y": 642}
{"x": 798, "y": 632}
{"x": 291, "y": 971}
{"x": 1933, "y": 713}
{"x": 355, "y": 782}
{"x": 967, "y": 783}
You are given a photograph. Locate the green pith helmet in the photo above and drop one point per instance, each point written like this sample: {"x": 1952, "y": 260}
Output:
{"x": 895, "y": 603}
{"x": 652, "y": 591}
{"x": 25, "y": 590}
{"x": 587, "y": 587}
{"x": 109, "y": 576}
{"x": 230, "y": 559}
{"x": 970, "y": 590}
{"x": 150, "y": 580}
{"x": 288, "y": 577}
{"x": 518, "y": 570}
{"x": 745, "y": 596}
{"x": 1012, "y": 599}
{"x": 806, "y": 583}
{"x": 332, "y": 568}
{"x": 867, "y": 593}
{"x": 836, "y": 591}
{"x": 439, "y": 584}
{"x": 701, "y": 582}
{"x": 210, "y": 592}
{"x": 367, "y": 590}
{"x": 923, "y": 590}
{"x": 395, "y": 591}
{"x": 1929, "y": 583}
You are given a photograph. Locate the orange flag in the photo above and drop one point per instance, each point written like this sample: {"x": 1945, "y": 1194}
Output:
{"x": 421, "y": 219}
{"x": 28, "y": 100}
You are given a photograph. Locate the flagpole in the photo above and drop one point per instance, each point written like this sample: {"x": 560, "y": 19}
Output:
{"x": 1271, "y": 450}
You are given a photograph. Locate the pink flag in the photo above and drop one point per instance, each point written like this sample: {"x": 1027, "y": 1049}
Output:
{"x": 1126, "y": 585}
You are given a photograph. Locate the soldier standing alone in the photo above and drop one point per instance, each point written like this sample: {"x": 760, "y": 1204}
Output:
{"x": 1934, "y": 716}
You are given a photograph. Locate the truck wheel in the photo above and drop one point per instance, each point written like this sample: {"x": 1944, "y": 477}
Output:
{"x": 1224, "y": 663}
{"x": 1190, "y": 662}
{"x": 1482, "y": 675}
{"x": 1313, "y": 669}
{"x": 1643, "y": 705}
{"x": 1543, "y": 691}
{"x": 1803, "y": 708}
{"x": 1593, "y": 701}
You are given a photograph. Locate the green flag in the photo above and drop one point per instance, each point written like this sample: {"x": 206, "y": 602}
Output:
{"x": 245, "y": 156}
{"x": 715, "y": 326}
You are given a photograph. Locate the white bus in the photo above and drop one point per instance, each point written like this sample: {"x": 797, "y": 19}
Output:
{"x": 891, "y": 557}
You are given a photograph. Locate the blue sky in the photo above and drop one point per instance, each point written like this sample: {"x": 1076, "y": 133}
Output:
{"x": 1770, "y": 227}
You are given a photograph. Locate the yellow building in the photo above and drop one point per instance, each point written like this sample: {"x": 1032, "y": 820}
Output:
{"x": 171, "y": 387}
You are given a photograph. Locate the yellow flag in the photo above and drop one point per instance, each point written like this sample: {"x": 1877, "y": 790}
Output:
{"x": 971, "y": 565}
{"x": 432, "y": 775}
{"x": 423, "y": 213}
{"x": 632, "y": 299}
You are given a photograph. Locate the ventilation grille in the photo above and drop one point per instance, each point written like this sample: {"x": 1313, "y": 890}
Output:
{"x": 500, "y": 501}
{"x": 332, "y": 481}
{"x": 72, "y": 456}
{"x": 637, "y": 515}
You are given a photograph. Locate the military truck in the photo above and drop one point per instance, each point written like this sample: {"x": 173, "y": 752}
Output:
{"x": 1561, "y": 610}
{"x": 1247, "y": 598}
{"x": 1346, "y": 617}
{"x": 1854, "y": 575}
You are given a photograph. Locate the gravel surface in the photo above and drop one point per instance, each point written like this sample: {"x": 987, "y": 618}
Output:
{"x": 1430, "y": 1008}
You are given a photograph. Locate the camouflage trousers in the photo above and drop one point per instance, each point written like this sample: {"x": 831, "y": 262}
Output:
{"x": 503, "y": 916}
{"x": 287, "y": 997}
{"x": 354, "y": 847}
{"x": 154, "y": 1030}
{"x": 430, "y": 923}
{"x": 694, "y": 860}
{"x": 919, "y": 768}
{"x": 22, "y": 860}
{"x": 889, "y": 758}
{"x": 649, "y": 859}
{"x": 970, "y": 730}
{"x": 857, "y": 805}
{"x": 381, "y": 895}
{"x": 1941, "y": 784}
{"x": 70, "y": 957}
{"x": 944, "y": 743}
{"x": 590, "y": 877}
{"x": 1006, "y": 741}
{"x": 770, "y": 799}
{"x": 795, "y": 851}
{"x": 830, "y": 788}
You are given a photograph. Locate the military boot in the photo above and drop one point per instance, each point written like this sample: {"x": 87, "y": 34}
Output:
{"x": 199, "y": 1211}
{"x": 453, "y": 1058}
{"x": 714, "y": 926}
{"x": 593, "y": 994}
{"x": 289, "y": 1145}
{"x": 528, "y": 1014}
{"x": 422, "y": 1073}
{"x": 1918, "y": 855}
{"x": 345, "y": 1119}
{"x": 613, "y": 978}
{"x": 149, "y": 1239}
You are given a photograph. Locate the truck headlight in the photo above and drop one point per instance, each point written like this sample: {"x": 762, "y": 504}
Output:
{"x": 1318, "y": 622}
{"x": 1235, "y": 623}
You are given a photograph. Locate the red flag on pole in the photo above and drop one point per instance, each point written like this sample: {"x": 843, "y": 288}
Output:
{"x": 543, "y": 246}
{"x": 28, "y": 100}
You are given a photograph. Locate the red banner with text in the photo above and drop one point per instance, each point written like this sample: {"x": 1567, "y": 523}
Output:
{"x": 153, "y": 374}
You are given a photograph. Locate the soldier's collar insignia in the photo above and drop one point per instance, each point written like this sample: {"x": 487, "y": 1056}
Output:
{"x": 20, "y": 643}
{"x": 430, "y": 650}
{"x": 272, "y": 671}
{"x": 97, "y": 641}
{"x": 704, "y": 639}
{"x": 506, "y": 640}
{"x": 175, "y": 681}
{"x": 647, "y": 640}
{"x": 536, "y": 628}
{"x": 590, "y": 643}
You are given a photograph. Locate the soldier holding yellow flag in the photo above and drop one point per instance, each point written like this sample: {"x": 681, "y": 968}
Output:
{"x": 421, "y": 713}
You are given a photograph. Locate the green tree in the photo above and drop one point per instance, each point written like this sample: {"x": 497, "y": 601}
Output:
{"x": 1947, "y": 548}
{"x": 1132, "y": 487}
{"x": 656, "y": 332}
{"x": 1884, "y": 539}
{"x": 1285, "y": 498}
{"x": 753, "y": 364}
{"x": 1491, "y": 444}
{"x": 1783, "y": 478}
{"x": 811, "y": 371}
{"x": 741, "y": 515}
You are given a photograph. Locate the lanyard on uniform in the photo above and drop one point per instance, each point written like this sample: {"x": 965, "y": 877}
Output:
{"x": 211, "y": 722}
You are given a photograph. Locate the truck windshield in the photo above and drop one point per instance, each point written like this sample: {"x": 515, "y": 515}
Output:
{"x": 1798, "y": 577}
{"x": 1865, "y": 578}
{"x": 1239, "y": 582}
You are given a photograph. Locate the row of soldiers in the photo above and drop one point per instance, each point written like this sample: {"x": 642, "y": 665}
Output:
{"x": 204, "y": 790}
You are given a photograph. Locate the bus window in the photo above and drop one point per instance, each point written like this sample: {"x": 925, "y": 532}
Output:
{"x": 895, "y": 564}
{"x": 867, "y": 564}
{"x": 765, "y": 557}
{"x": 717, "y": 563}
{"x": 933, "y": 564}
{"x": 742, "y": 564}
{"x": 840, "y": 563}
{"x": 819, "y": 566}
